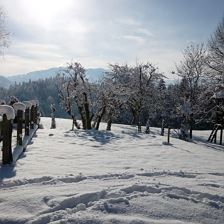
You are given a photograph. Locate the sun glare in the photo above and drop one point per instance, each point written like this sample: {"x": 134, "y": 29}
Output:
{"x": 45, "y": 12}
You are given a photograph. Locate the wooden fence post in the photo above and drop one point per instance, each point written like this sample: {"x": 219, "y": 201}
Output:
{"x": 32, "y": 117}
{"x": 191, "y": 130}
{"x": 221, "y": 132}
{"x": 19, "y": 127}
{"x": 19, "y": 108}
{"x": 35, "y": 115}
{"x": 7, "y": 140}
{"x": 215, "y": 137}
{"x": 27, "y": 124}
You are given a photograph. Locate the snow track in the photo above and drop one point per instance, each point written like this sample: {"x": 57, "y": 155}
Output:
{"x": 118, "y": 177}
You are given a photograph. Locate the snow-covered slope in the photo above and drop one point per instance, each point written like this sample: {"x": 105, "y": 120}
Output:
{"x": 113, "y": 177}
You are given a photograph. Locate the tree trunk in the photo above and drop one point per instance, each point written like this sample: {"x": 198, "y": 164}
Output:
{"x": 134, "y": 118}
{"x": 99, "y": 118}
{"x": 109, "y": 124}
{"x": 83, "y": 117}
{"x": 147, "y": 129}
{"x": 184, "y": 130}
{"x": 74, "y": 123}
{"x": 162, "y": 127}
{"x": 191, "y": 125}
{"x": 139, "y": 123}
{"x": 87, "y": 112}
{"x": 94, "y": 123}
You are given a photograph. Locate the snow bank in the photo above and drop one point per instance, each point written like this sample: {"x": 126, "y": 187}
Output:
{"x": 8, "y": 110}
{"x": 19, "y": 106}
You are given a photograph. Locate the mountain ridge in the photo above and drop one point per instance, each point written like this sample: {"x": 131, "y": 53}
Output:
{"x": 4, "y": 82}
{"x": 93, "y": 74}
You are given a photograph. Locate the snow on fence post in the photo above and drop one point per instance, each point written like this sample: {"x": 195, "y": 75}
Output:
{"x": 27, "y": 117}
{"x": 19, "y": 109}
{"x": 8, "y": 114}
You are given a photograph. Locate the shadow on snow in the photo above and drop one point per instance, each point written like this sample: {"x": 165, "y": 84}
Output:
{"x": 103, "y": 137}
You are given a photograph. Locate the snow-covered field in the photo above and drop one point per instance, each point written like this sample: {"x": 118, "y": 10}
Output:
{"x": 113, "y": 177}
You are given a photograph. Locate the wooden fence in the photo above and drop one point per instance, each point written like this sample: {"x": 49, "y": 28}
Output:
{"x": 21, "y": 118}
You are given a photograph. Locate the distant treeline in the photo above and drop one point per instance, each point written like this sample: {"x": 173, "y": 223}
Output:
{"x": 44, "y": 90}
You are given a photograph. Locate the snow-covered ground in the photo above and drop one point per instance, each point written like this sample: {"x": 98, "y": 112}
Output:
{"x": 113, "y": 177}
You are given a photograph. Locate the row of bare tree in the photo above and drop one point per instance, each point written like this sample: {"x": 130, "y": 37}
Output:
{"x": 141, "y": 88}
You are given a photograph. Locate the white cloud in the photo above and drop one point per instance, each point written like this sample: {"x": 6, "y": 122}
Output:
{"x": 50, "y": 32}
{"x": 145, "y": 31}
{"x": 138, "y": 39}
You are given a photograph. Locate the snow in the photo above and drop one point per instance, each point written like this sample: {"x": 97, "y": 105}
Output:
{"x": 8, "y": 110}
{"x": 219, "y": 95}
{"x": 19, "y": 106}
{"x": 34, "y": 102}
{"x": 113, "y": 177}
{"x": 2, "y": 102}
{"x": 18, "y": 150}
{"x": 28, "y": 104}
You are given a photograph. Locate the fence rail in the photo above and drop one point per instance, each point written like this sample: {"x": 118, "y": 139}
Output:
{"x": 22, "y": 118}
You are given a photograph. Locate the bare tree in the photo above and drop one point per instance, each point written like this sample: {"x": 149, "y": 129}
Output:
{"x": 66, "y": 98}
{"x": 136, "y": 84}
{"x": 78, "y": 90}
{"x": 216, "y": 54}
{"x": 193, "y": 70}
{"x": 4, "y": 35}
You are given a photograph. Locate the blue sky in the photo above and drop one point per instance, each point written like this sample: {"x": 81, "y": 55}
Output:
{"x": 50, "y": 33}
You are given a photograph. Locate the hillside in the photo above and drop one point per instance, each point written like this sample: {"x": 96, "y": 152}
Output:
{"x": 4, "y": 82}
{"x": 121, "y": 176}
{"x": 92, "y": 73}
